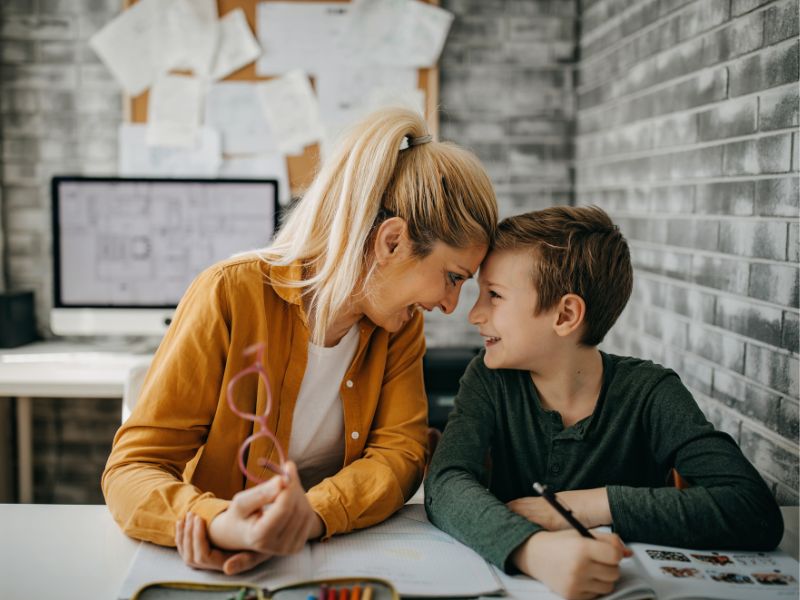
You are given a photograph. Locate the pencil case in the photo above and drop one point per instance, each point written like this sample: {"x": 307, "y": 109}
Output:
{"x": 379, "y": 589}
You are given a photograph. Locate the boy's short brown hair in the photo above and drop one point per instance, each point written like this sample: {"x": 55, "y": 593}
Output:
{"x": 579, "y": 251}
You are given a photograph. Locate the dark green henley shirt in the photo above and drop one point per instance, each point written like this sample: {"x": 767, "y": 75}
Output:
{"x": 645, "y": 423}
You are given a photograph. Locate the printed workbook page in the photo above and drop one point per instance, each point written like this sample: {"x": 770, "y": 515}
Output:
{"x": 676, "y": 573}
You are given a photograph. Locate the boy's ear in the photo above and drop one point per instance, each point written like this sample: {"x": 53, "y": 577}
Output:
{"x": 570, "y": 313}
{"x": 391, "y": 241}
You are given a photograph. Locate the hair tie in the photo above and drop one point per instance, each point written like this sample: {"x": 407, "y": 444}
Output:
{"x": 409, "y": 141}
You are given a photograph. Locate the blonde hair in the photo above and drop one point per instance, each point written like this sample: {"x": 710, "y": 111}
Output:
{"x": 440, "y": 190}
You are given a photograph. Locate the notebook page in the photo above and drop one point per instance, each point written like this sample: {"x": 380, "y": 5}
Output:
{"x": 155, "y": 563}
{"x": 418, "y": 558}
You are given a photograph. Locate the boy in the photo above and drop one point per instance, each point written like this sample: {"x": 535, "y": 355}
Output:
{"x": 542, "y": 403}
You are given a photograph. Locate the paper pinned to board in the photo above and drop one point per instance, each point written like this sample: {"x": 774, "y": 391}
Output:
{"x": 137, "y": 159}
{"x": 233, "y": 108}
{"x": 259, "y": 166}
{"x": 132, "y": 45}
{"x": 174, "y": 111}
{"x": 192, "y": 35}
{"x": 291, "y": 110}
{"x": 403, "y": 33}
{"x": 301, "y": 35}
{"x": 237, "y": 45}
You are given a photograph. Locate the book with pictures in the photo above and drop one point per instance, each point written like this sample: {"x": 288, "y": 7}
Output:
{"x": 669, "y": 573}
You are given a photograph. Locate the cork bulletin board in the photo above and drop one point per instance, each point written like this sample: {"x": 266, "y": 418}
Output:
{"x": 301, "y": 168}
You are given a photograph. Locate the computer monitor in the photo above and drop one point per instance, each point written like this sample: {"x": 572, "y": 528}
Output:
{"x": 126, "y": 249}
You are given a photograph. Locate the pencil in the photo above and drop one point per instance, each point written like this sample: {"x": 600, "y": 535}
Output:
{"x": 550, "y": 497}
{"x": 367, "y": 595}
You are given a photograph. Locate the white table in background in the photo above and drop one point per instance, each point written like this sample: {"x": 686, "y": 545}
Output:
{"x": 78, "y": 552}
{"x": 59, "y": 369}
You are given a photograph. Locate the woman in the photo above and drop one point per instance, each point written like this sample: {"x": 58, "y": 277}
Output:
{"x": 393, "y": 223}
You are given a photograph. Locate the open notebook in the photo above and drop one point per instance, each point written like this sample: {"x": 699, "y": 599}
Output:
{"x": 421, "y": 560}
{"x": 669, "y": 573}
{"x": 418, "y": 558}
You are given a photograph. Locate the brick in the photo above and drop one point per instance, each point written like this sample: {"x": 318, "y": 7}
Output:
{"x": 756, "y": 157}
{"x": 757, "y": 239}
{"x": 720, "y": 273}
{"x": 773, "y": 369}
{"x": 778, "y": 197}
{"x": 673, "y": 199}
{"x": 702, "y": 162}
{"x": 795, "y": 152}
{"x": 706, "y": 87}
{"x": 692, "y": 303}
{"x": 793, "y": 246}
{"x": 17, "y": 51}
{"x": 697, "y": 376}
{"x": 721, "y": 417}
{"x": 19, "y": 197}
{"x": 790, "y": 332}
{"x": 702, "y": 16}
{"x": 675, "y": 130}
{"x": 728, "y": 120}
{"x": 771, "y": 67}
{"x": 733, "y": 198}
{"x": 752, "y": 320}
{"x": 57, "y": 52}
{"x": 779, "y": 109}
{"x": 678, "y": 61}
{"x": 39, "y": 76}
{"x": 39, "y": 27}
{"x": 788, "y": 418}
{"x": 693, "y": 233}
{"x": 785, "y": 495}
{"x": 743, "y": 36}
{"x": 742, "y": 6}
{"x": 721, "y": 349}
{"x": 18, "y": 101}
{"x": 774, "y": 283}
{"x": 668, "y": 6}
{"x": 770, "y": 456}
{"x": 747, "y": 399}
{"x": 781, "y": 22}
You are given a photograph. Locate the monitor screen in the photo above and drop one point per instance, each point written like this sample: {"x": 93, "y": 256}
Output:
{"x": 138, "y": 243}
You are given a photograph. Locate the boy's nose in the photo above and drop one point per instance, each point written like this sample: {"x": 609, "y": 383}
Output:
{"x": 476, "y": 314}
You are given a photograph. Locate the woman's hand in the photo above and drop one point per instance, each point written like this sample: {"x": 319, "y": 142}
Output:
{"x": 575, "y": 567}
{"x": 590, "y": 507}
{"x": 272, "y": 518}
{"x": 193, "y": 545}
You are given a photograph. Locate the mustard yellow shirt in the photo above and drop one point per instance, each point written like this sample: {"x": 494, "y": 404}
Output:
{"x": 178, "y": 450}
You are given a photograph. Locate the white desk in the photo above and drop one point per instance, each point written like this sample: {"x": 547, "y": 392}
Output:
{"x": 79, "y": 552}
{"x": 57, "y": 369}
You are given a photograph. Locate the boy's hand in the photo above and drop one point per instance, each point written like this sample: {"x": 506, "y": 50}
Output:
{"x": 575, "y": 567}
{"x": 590, "y": 507}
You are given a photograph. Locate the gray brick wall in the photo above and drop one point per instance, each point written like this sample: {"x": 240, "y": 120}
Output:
{"x": 507, "y": 93}
{"x": 687, "y": 134}
{"x": 59, "y": 111}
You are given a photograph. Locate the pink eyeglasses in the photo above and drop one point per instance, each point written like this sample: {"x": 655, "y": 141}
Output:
{"x": 264, "y": 431}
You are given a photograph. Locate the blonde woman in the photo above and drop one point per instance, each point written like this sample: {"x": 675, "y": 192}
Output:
{"x": 393, "y": 224}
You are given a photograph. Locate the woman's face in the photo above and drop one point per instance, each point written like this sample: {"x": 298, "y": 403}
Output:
{"x": 402, "y": 283}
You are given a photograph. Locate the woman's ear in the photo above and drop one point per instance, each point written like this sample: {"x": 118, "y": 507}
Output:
{"x": 570, "y": 314}
{"x": 391, "y": 241}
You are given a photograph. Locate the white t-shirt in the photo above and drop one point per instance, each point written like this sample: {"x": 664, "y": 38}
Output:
{"x": 316, "y": 444}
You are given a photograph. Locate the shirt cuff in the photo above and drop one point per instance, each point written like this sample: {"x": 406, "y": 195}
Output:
{"x": 209, "y": 508}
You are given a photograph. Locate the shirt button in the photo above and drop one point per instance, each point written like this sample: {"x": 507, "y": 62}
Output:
{"x": 354, "y": 435}
{"x": 555, "y": 468}
{"x": 349, "y": 383}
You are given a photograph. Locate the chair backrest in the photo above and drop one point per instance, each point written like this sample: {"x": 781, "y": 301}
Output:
{"x": 133, "y": 386}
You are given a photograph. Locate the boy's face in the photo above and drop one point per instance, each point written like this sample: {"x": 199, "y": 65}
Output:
{"x": 514, "y": 337}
